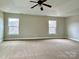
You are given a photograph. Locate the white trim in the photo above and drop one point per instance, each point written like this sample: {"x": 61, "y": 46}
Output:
{"x": 33, "y": 38}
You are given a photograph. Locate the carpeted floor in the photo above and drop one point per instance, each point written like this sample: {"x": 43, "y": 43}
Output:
{"x": 40, "y": 49}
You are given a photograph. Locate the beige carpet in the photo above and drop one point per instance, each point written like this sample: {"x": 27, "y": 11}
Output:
{"x": 40, "y": 49}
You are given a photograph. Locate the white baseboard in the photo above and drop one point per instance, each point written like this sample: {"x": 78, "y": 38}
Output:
{"x": 33, "y": 38}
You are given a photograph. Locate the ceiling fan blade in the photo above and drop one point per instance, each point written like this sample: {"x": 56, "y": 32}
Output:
{"x": 34, "y": 6}
{"x": 41, "y": 8}
{"x": 44, "y": 0}
{"x": 47, "y": 5}
{"x": 33, "y": 1}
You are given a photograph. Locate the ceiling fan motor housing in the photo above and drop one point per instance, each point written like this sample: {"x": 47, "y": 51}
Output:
{"x": 40, "y": 2}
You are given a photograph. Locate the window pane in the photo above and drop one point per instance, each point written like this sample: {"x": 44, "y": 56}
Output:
{"x": 13, "y": 30}
{"x": 52, "y": 23}
{"x": 52, "y": 30}
{"x": 13, "y": 25}
{"x": 13, "y": 22}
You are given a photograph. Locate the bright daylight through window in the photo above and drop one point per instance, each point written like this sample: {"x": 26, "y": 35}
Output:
{"x": 52, "y": 26}
{"x": 13, "y": 26}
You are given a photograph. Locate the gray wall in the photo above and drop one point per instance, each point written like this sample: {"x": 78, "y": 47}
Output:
{"x": 1, "y": 26}
{"x": 73, "y": 27}
{"x": 35, "y": 26}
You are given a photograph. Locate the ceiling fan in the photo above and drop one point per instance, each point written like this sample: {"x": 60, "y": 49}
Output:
{"x": 40, "y": 3}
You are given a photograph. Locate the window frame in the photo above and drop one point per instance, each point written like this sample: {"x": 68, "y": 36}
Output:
{"x": 9, "y": 26}
{"x": 50, "y": 27}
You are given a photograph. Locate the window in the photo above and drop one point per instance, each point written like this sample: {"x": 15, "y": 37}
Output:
{"x": 13, "y": 26}
{"x": 52, "y": 26}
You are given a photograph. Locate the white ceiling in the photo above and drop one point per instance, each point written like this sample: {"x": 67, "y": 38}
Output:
{"x": 59, "y": 7}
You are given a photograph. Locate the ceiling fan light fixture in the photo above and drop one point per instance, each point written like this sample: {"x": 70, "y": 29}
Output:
{"x": 41, "y": 2}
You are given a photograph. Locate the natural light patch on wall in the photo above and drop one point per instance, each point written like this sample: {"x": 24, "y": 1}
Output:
{"x": 1, "y": 26}
{"x": 73, "y": 28}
